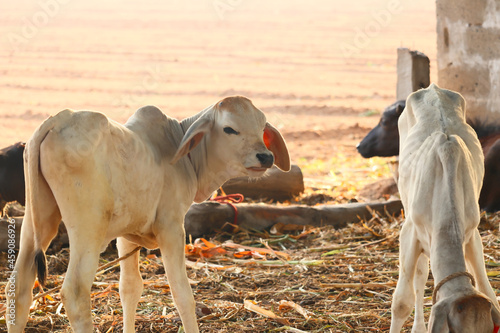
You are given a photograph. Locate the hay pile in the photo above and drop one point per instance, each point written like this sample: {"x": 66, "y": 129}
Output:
{"x": 287, "y": 279}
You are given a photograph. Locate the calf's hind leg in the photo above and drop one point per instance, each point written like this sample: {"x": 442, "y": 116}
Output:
{"x": 75, "y": 293}
{"x": 404, "y": 294}
{"x": 20, "y": 284}
{"x": 86, "y": 219}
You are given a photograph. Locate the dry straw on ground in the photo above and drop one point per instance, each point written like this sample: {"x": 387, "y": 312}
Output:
{"x": 283, "y": 280}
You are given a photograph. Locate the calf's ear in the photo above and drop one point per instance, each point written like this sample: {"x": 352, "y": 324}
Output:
{"x": 495, "y": 315}
{"x": 276, "y": 144}
{"x": 194, "y": 135}
{"x": 399, "y": 109}
{"x": 438, "y": 322}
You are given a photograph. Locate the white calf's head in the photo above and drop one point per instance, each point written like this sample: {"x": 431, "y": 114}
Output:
{"x": 241, "y": 135}
{"x": 463, "y": 314}
{"x": 234, "y": 139}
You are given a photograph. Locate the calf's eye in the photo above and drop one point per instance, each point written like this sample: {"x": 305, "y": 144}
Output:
{"x": 229, "y": 130}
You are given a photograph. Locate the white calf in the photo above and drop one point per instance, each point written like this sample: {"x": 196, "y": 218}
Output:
{"x": 135, "y": 182}
{"x": 440, "y": 175}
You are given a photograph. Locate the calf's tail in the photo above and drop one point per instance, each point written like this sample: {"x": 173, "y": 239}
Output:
{"x": 39, "y": 197}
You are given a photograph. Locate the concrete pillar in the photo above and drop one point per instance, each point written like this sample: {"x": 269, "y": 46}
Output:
{"x": 413, "y": 72}
{"x": 469, "y": 53}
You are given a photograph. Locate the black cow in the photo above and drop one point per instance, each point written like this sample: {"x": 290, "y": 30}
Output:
{"x": 489, "y": 136}
{"x": 12, "y": 174}
{"x": 383, "y": 140}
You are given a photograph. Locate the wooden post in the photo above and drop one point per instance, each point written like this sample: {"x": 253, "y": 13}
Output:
{"x": 14, "y": 225}
{"x": 413, "y": 72}
{"x": 207, "y": 217}
{"x": 10, "y": 228}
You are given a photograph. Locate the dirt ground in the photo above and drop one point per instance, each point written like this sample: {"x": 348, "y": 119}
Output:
{"x": 301, "y": 280}
{"x": 322, "y": 72}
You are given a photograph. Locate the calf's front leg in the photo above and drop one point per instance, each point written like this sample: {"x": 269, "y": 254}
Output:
{"x": 475, "y": 260}
{"x": 131, "y": 285}
{"x": 171, "y": 238}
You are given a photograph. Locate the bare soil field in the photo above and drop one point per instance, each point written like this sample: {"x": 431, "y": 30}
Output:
{"x": 322, "y": 71}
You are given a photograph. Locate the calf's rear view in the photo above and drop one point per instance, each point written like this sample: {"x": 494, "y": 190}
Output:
{"x": 440, "y": 174}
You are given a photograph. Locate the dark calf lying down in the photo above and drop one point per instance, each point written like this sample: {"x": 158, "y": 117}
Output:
{"x": 383, "y": 140}
{"x": 11, "y": 174}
